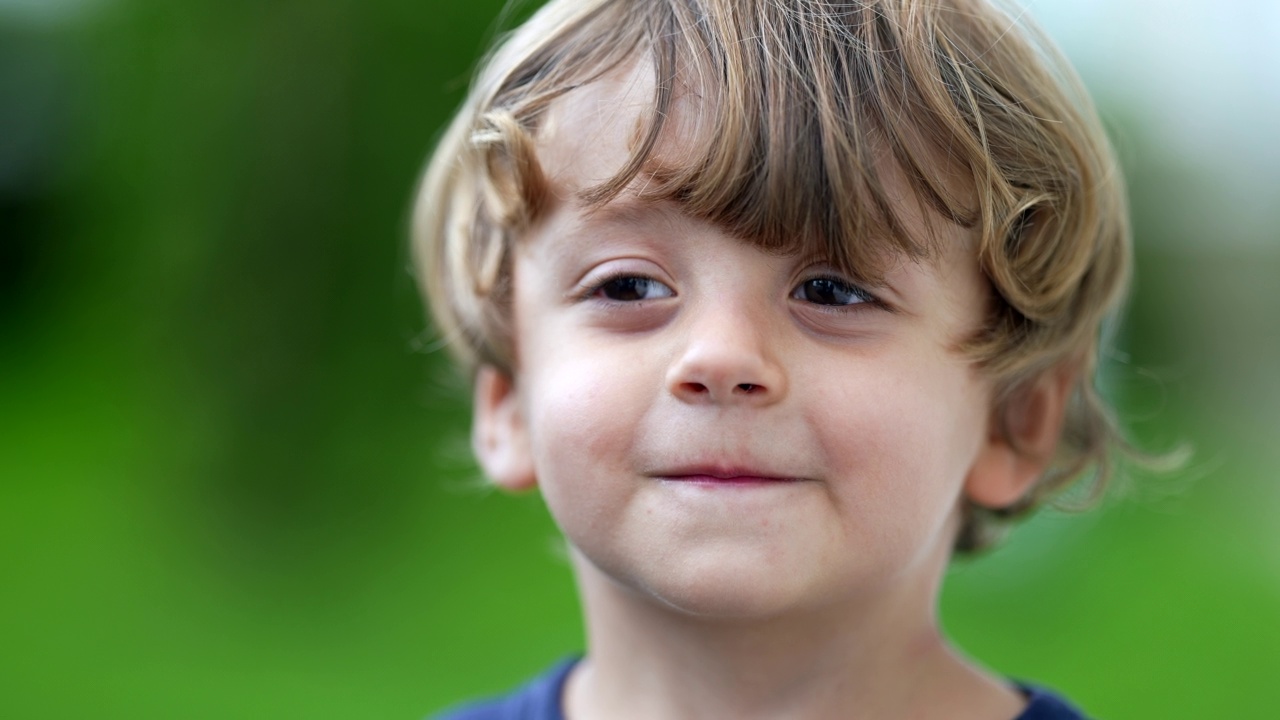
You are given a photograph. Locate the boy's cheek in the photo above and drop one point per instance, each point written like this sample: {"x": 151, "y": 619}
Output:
{"x": 904, "y": 435}
{"x": 582, "y": 433}
{"x": 581, "y": 414}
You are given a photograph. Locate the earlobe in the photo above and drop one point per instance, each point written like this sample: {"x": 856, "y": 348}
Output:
{"x": 498, "y": 434}
{"x": 1021, "y": 444}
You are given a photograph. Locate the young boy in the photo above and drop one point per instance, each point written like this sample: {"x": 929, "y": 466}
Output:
{"x": 778, "y": 304}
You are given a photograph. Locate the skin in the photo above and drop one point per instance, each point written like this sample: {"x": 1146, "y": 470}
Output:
{"x": 758, "y": 466}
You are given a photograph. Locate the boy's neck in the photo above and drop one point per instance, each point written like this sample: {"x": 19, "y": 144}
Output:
{"x": 883, "y": 659}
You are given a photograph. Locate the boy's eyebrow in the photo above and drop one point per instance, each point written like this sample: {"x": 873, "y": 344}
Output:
{"x": 624, "y": 212}
{"x": 582, "y": 231}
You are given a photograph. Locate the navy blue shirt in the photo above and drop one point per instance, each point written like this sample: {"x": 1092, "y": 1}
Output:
{"x": 539, "y": 699}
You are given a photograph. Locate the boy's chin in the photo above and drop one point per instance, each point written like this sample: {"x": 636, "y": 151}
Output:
{"x": 718, "y": 602}
{"x": 728, "y": 592}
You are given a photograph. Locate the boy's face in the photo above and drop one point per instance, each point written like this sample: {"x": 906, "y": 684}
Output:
{"x": 723, "y": 430}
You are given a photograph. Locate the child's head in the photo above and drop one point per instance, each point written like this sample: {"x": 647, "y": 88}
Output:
{"x": 935, "y": 162}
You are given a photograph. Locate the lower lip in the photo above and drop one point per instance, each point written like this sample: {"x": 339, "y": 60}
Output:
{"x": 736, "y": 481}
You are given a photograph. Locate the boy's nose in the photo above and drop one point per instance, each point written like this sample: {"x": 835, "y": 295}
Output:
{"x": 729, "y": 361}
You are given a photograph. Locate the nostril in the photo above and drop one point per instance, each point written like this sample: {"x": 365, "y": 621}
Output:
{"x": 695, "y": 388}
{"x": 748, "y": 387}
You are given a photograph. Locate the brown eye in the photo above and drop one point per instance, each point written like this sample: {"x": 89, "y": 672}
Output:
{"x": 830, "y": 291}
{"x": 633, "y": 288}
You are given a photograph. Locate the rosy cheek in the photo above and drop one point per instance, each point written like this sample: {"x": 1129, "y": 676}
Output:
{"x": 577, "y": 418}
{"x": 581, "y": 438}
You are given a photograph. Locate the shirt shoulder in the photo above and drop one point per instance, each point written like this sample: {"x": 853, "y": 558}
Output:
{"x": 1045, "y": 705}
{"x": 538, "y": 699}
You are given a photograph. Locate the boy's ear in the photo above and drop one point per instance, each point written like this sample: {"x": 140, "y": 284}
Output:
{"x": 498, "y": 434}
{"x": 1021, "y": 444}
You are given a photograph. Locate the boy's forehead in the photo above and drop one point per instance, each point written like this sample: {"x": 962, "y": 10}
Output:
{"x": 590, "y": 133}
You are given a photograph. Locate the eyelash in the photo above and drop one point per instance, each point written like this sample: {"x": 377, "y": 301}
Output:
{"x": 865, "y": 298}
{"x": 597, "y": 288}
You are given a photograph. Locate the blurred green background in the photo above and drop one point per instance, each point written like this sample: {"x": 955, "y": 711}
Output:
{"x": 233, "y": 483}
